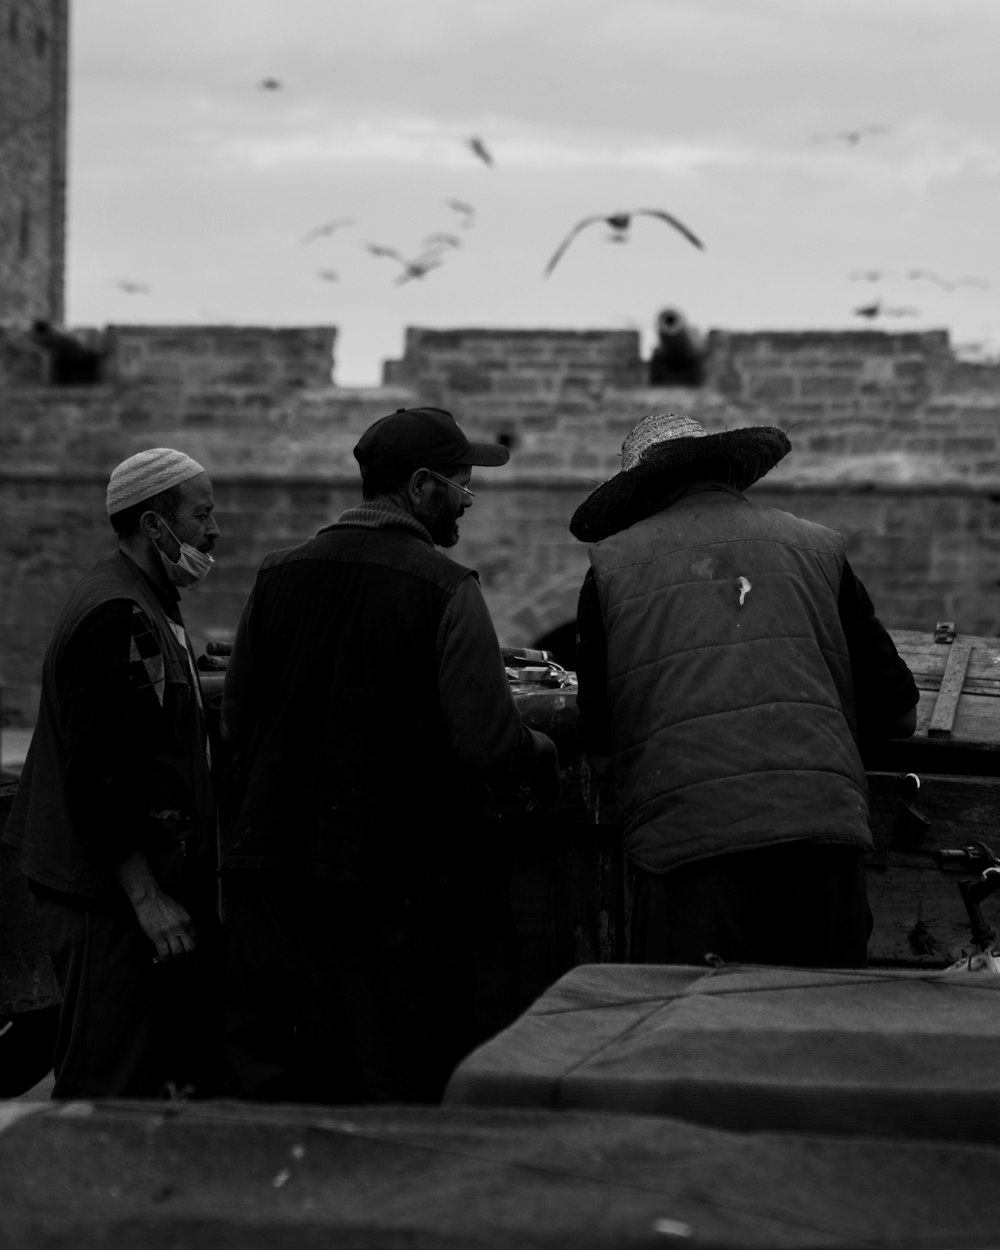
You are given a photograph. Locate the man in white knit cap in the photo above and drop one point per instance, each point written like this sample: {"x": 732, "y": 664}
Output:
{"x": 114, "y": 816}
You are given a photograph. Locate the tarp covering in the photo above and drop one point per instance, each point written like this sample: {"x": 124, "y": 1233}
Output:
{"x": 894, "y": 1053}
{"x": 223, "y": 1177}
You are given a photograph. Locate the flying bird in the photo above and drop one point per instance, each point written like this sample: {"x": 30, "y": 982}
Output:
{"x": 851, "y": 137}
{"x": 441, "y": 239}
{"x": 416, "y": 268}
{"x": 619, "y": 223}
{"x": 878, "y": 309}
{"x": 328, "y": 275}
{"x": 871, "y": 311}
{"x": 946, "y": 284}
{"x": 270, "y": 84}
{"x": 328, "y": 228}
{"x": 132, "y": 288}
{"x": 380, "y": 249}
{"x": 464, "y": 210}
{"x": 479, "y": 148}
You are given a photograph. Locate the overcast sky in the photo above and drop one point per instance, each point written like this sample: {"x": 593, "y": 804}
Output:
{"x": 190, "y": 179}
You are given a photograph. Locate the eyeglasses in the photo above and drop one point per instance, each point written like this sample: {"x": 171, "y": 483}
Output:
{"x": 448, "y": 482}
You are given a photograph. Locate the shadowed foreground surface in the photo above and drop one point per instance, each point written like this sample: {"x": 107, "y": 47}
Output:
{"x": 225, "y": 1175}
{"x": 890, "y": 1053}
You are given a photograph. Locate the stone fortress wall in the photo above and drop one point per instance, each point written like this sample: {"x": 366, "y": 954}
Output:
{"x": 895, "y": 442}
{"x": 33, "y": 105}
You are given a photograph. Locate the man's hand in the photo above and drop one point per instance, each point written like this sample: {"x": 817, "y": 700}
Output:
{"x": 163, "y": 920}
{"x": 167, "y": 925}
{"x": 545, "y": 775}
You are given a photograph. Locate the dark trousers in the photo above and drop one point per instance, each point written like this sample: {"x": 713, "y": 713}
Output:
{"x": 337, "y": 995}
{"x": 128, "y": 1028}
{"x": 800, "y": 904}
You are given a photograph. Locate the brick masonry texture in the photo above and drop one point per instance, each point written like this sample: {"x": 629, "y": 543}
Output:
{"x": 33, "y": 78}
{"x": 895, "y": 444}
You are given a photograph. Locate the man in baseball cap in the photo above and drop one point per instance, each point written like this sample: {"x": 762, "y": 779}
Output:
{"x": 367, "y": 700}
{"x": 424, "y": 448}
{"x": 410, "y": 437}
{"x": 114, "y": 817}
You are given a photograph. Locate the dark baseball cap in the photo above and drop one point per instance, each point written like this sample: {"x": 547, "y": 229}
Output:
{"x": 421, "y": 438}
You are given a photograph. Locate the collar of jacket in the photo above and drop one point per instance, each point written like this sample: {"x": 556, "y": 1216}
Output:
{"x": 375, "y": 515}
{"x": 702, "y": 486}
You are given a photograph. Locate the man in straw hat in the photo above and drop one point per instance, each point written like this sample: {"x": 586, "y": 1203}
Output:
{"x": 367, "y": 695}
{"x": 729, "y": 663}
{"x": 114, "y": 814}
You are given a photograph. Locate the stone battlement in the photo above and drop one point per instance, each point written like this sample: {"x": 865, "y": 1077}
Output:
{"x": 896, "y": 443}
{"x": 253, "y": 401}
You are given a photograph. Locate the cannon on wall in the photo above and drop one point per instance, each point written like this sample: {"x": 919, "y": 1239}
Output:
{"x": 678, "y": 358}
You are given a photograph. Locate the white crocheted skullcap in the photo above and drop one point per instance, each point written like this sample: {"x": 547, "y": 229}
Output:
{"x": 146, "y": 474}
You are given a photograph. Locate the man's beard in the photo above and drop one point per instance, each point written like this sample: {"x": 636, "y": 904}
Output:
{"x": 439, "y": 520}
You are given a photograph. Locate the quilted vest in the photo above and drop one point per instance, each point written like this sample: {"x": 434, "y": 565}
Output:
{"x": 181, "y": 808}
{"x": 729, "y": 682}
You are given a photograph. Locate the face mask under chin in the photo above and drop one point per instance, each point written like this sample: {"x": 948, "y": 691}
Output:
{"x": 190, "y": 566}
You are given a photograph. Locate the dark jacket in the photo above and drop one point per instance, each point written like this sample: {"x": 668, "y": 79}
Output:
{"x": 351, "y": 762}
{"x": 729, "y": 682}
{"x": 174, "y": 826}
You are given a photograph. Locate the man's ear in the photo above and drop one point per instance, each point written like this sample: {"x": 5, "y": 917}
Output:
{"x": 151, "y": 524}
{"x": 415, "y": 486}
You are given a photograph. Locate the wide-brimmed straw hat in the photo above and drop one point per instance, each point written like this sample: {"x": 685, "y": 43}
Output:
{"x": 660, "y": 445}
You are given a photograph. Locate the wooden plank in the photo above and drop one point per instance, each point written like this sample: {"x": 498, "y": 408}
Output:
{"x": 927, "y": 659}
{"x": 988, "y": 689}
{"x": 943, "y": 718}
{"x": 977, "y": 720}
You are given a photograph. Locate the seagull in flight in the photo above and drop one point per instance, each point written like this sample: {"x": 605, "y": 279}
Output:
{"x": 132, "y": 288}
{"x": 851, "y": 137}
{"x": 416, "y": 268}
{"x": 442, "y": 239}
{"x": 479, "y": 148}
{"x": 946, "y": 284}
{"x": 878, "y": 309}
{"x": 270, "y": 84}
{"x": 328, "y": 275}
{"x": 328, "y": 228}
{"x": 464, "y": 210}
{"x": 381, "y": 249}
{"x": 619, "y": 223}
